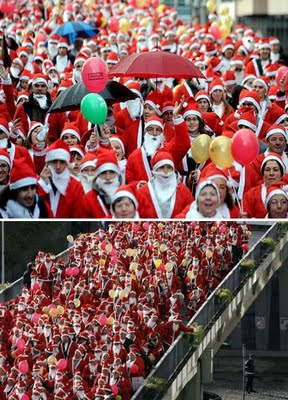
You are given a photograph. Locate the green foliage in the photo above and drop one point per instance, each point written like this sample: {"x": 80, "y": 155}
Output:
{"x": 282, "y": 227}
{"x": 224, "y": 294}
{"x": 158, "y": 385}
{"x": 269, "y": 243}
{"x": 198, "y": 333}
{"x": 247, "y": 264}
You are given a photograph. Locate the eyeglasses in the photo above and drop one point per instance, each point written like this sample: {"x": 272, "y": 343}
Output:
{"x": 275, "y": 202}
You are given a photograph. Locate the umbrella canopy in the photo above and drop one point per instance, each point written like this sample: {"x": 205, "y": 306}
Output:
{"x": 72, "y": 30}
{"x": 70, "y": 99}
{"x": 153, "y": 64}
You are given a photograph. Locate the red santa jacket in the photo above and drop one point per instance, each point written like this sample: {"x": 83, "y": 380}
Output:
{"x": 254, "y": 202}
{"x": 94, "y": 206}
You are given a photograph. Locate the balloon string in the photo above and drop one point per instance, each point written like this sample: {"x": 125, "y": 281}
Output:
{"x": 235, "y": 193}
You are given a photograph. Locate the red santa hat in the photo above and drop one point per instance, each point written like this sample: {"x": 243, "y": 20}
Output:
{"x": 77, "y": 148}
{"x": 22, "y": 95}
{"x": 202, "y": 184}
{"x": 4, "y": 156}
{"x": 40, "y": 78}
{"x": 160, "y": 158}
{"x": 273, "y": 40}
{"x": 216, "y": 84}
{"x": 155, "y": 100}
{"x": 115, "y": 138}
{"x": 53, "y": 39}
{"x": 273, "y": 157}
{"x": 264, "y": 44}
{"x": 228, "y": 44}
{"x": 247, "y": 77}
{"x": 89, "y": 160}
{"x": 213, "y": 172}
{"x": 22, "y": 174}
{"x": 248, "y": 119}
{"x": 275, "y": 114}
{"x": 25, "y": 75}
{"x": 272, "y": 94}
{"x": 209, "y": 48}
{"x": 135, "y": 88}
{"x": 125, "y": 191}
{"x": 237, "y": 60}
{"x": 80, "y": 58}
{"x": 272, "y": 191}
{"x": 112, "y": 58}
{"x": 34, "y": 125}
{"x": 4, "y": 127}
{"x": 72, "y": 129}
{"x": 250, "y": 96}
{"x": 154, "y": 120}
{"x": 107, "y": 161}
{"x": 62, "y": 42}
{"x": 168, "y": 106}
{"x": 276, "y": 129}
{"x": 22, "y": 51}
{"x": 59, "y": 150}
{"x": 215, "y": 63}
{"x": 229, "y": 78}
{"x": 202, "y": 94}
{"x": 264, "y": 81}
{"x": 191, "y": 107}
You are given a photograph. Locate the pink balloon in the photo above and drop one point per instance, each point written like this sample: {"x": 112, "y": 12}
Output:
{"x": 135, "y": 227}
{"x": 161, "y": 267}
{"x": 114, "y": 260}
{"x": 146, "y": 226}
{"x": 114, "y": 389}
{"x": 103, "y": 245}
{"x": 103, "y": 320}
{"x": 134, "y": 368}
{"x": 23, "y": 367}
{"x": 75, "y": 271}
{"x": 20, "y": 344}
{"x": 282, "y": 71}
{"x": 223, "y": 229}
{"x": 245, "y": 146}
{"x": 51, "y": 306}
{"x": 114, "y": 25}
{"x": 24, "y": 397}
{"x": 245, "y": 247}
{"x": 35, "y": 318}
{"x": 69, "y": 271}
{"x": 154, "y": 3}
{"x": 69, "y": 7}
{"x": 61, "y": 364}
{"x": 215, "y": 32}
{"x": 94, "y": 74}
{"x": 113, "y": 252}
{"x": 36, "y": 287}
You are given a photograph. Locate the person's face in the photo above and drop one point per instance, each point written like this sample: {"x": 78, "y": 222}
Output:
{"x": 24, "y": 59}
{"x": 58, "y": 165}
{"x": 40, "y": 88}
{"x": 166, "y": 169}
{"x": 222, "y": 188}
{"x": 207, "y": 201}
{"x": 271, "y": 173}
{"x": 171, "y": 38}
{"x": 148, "y": 111}
{"x": 285, "y": 122}
{"x": 24, "y": 84}
{"x": 192, "y": 123}
{"x": 228, "y": 53}
{"x": 168, "y": 117}
{"x": 154, "y": 130}
{"x": 62, "y": 51}
{"x": 89, "y": 170}
{"x": 203, "y": 105}
{"x": 275, "y": 48}
{"x": 276, "y": 143}
{"x": 4, "y": 172}
{"x": 117, "y": 149}
{"x": 278, "y": 206}
{"x": 69, "y": 139}
{"x": 229, "y": 88}
{"x": 260, "y": 89}
{"x": 125, "y": 208}
{"x": 79, "y": 65}
{"x": 108, "y": 175}
{"x": 264, "y": 53}
{"x": 34, "y": 134}
{"x": 217, "y": 96}
{"x": 76, "y": 162}
{"x": 26, "y": 196}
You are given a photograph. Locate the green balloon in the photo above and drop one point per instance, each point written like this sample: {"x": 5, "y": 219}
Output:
{"x": 94, "y": 108}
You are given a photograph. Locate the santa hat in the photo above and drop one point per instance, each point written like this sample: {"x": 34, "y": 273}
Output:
{"x": 250, "y": 96}
{"x": 18, "y": 61}
{"x": 248, "y": 119}
{"x": 213, "y": 122}
{"x": 264, "y": 81}
{"x": 34, "y": 125}
{"x": 271, "y": 70}
{"x": 62, "y": 42}
{"x": 25, "y": 75}
{"x": 276, "y": 129}
{"x": 4, "y": 156}
{"x": 236, "y": 60}
{"x": 22, "y": 95}
{"x": 160, "y": 158}
{"x": 272, "y": 191}
{"x": 77, "y": 148}
{"x": 112, "y": 58}
{"x": 273, "y": 40}
{"x": 229, "y": 78}
{"x": 59, "y": 150}
{"x": 213, "y": 172}
{"x": 202, "y": 94}
{"x": 107, "y": 161}
{"x": 202, "y": 184}
{"x": 247, "y": 77}
{"x": 80, "y": 58}
{"x": 72, "y": 129}
{"x": 115, "y": 138}
{"x": 272, "y": 94}
{"x": 135, "y": 87}
{"x": 215, "y": 63}
{"x": 40, "y": 78}
{"x": 216, "y": 84}
{"x": 210, "y": 49}
{"x": 273, "y": 157}
{"x": 228, "y": 44}
{"x": 154, "y": 120}
{"x": 263, "y": 44}
{"x": 22, "y": 174}
{"x": 4, "y": 127}
{"x": 168, "y": 106}
{"x": 54, "y": 39}
{"x": 155, "y": 100}
{"x": 22, "y": 51}
{"x": 191, "y": 107}
{"x": 125, "y": 191}
{"x": 275, "y": 115}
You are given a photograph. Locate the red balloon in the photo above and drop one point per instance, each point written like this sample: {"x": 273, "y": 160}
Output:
{"x": 114, "y": 25}
{"x": 113, "y": 253}
{"x": 245, "y": 146}
{"x": 135, "y": 227}
{"x": 103, "y": 320}
{"x": 23, "y": 367}
{"x": 114, "y": 260}
{"x": 24, "y": 397}
{"x": 282, "y": 71}
{"x": 154, "y": 3}
{"x": 61, "y": 364}
{"x": 114, "y": 389}
{"x": 35, "y": 318}
{"x": 75, "y": 271}
{"x": 51, "y": 306}
{"x": 35, "y": 287}
{"x": 103, "y": 245}
{"x": 20, "y": 344}
{"x": 161, "y": 267}
{"x": 245, "y": 247}
{"x": 146, "y": 226}
{"x": 94, "y": 74}
{"x": 223, "y": 229}
{"x": 134, "y": 368}
{"x": 69, "y": 271}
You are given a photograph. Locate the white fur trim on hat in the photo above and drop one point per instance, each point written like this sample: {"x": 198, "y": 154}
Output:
{"x": 273, "y": 158}
{"x": 90, "y": 163}
{"x": 76, "y": 150}
{"x": 204, "y": 184}
{"x": 163, "y": 162}
{"x": 168, "y": 108}
{"x": 280, "y": 119}
{"x": 216, "y": 87}
{"x": 62, "y": 44}
{"x": 246, "y": 123}
{"x": 119, "y": 141}
{"x": 58, "y": 154}
{"x": 154, "y": 122}
{"x": 34, "y": 127}
{"x": 192, "y": 112}
{"x": 230, "y": 82}
{"x": 72, "y": 132}
{"x": 217, "y": 176}
{"x": 5, "y": 159}
{"x": 125, "y": 193}
{"x": 202, "y": 96}
{"x": 262, "y": 82}
{"x": 271, "y": 194}
{"x": 250, "y": 100}
{"x": 22, "y": 183}
{"x": 156, "y": 107}
{"x": 228, "y": 46}
{"x": 276, "y": 130}
{"x": 264, "y": 46}
{"x": 110, "y": 166}
{"x": 2, "y": 127}
{"x": 40, "y": 80}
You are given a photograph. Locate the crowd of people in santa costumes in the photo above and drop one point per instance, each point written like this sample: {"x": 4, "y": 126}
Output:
{"x": 138, "y": 163}
{"x": 93, "y": 326}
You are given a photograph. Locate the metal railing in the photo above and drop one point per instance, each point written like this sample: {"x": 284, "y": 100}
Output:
{"x": 182, "y": 349}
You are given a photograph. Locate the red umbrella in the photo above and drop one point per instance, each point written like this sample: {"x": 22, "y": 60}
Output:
{"x": 153, "y": 64}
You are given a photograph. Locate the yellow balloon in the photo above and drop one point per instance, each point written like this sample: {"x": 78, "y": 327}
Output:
{"x": 133, "y": 277}
{"x": 220, "y": 151}
{"x": 45, "y": 316}
{"x": 216, "y": 23}
{"x": 51, "y": 360}
{"x": 213, "y": 229}
{"x": 102, "y": 262}
{"x": 70, "y": 238}
{"x": 77, "y": 303}
{"x": 211, "y": 6}
{"x": 163, "y": 248}
{"x": 108, "y": 247}
{"x": 112, "y": 293}
{"x": 104, "y": 22}
{"x": 118, "y": 397}
{"x": 110, "y": 321}
{"x": 161, "y": 226}
{"x": 200, "y": 148}
{"x": 224, "y": 11}
{"x": 158, "y": 262}
{"x": 191, "y": 274}
{"x": 133, "y": 266}
{"x": 248, "y": 233}
{"x": 168, "y": 267}
{"x": 225, "y": 31}
{"x": 161, "y": 8}
{"x": 60, "y": 310}
{"x": 181, "y": 30}
{"x": 123, "y": 293}
{"x": 53, "y": 312}
{"x": 134, "y": 252}
{"x": 129, "y": 252}
{"x": 124, "y": 25}
{"x": 209, "y": 253}
{"x": 228, "y": 21}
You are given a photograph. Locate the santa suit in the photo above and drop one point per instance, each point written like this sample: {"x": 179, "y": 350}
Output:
{"x": 67, "y": 350}
{"x": 150, "y": 208}
{"x": 254, "y": 202}
{"x": 75, "y": 364}
{"x": 94, "y": 206}
{"x": 138, "y": 167}
{"x": 67, "y": 206}
{"x": 256, "y": 67}
{"x": 180, "y": 90}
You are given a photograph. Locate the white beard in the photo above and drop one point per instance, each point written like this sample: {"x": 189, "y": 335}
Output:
{"x": 86, "y": 181}
{"x": 41, "y": 99}
{"x": 135, "y": 108}
{"x": 108, "y": 189}
{"x": 165, "y": 186}
{"x": 61, "y": 181}
{"x": 152, "y": 143}
{"x": 52, "y": 50}
{"x": 77, "y": 76}
{"x": 3, "y": 143}
{"x": 239, "y": 77}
